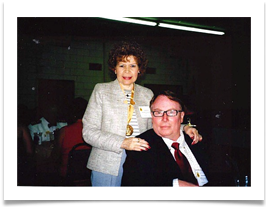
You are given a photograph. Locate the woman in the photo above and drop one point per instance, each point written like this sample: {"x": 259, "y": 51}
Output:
{"x": 116, "y": 113}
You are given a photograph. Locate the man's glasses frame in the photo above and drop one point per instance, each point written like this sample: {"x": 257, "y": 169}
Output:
{"x": 169, "y": 113}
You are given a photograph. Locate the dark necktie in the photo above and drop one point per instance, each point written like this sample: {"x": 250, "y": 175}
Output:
{"x": 183, "y": 164}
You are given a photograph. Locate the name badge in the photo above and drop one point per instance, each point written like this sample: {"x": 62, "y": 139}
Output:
{"x": 145, "y": 111}
{"x": 201, "y": 177}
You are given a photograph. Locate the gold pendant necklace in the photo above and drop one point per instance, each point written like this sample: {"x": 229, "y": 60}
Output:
{"x": 129, "y": 130}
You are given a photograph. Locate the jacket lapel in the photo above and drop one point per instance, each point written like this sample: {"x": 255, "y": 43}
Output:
{"x": 199, "y": 153}
{"x": 163, "y": 156}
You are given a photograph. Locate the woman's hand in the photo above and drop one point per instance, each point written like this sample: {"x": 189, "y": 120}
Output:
{"x": 135, "y": 144}
{"x": 193, "y": 133}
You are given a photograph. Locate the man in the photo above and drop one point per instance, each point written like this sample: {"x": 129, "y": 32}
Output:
{"x": 157, "y": 166}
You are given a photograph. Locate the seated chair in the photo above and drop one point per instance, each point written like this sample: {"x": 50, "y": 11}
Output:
{"x": 77, "y": 172}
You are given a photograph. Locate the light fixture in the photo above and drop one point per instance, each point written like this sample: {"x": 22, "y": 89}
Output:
{"x": 135, "y": 21}
{"x": 170, "y": 26}
{"x": 192, "y": 29}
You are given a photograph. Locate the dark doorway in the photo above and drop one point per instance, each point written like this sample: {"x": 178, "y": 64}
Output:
{"x": 59, "y": 93}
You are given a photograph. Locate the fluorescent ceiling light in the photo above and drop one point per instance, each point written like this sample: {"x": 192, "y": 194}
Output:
{"x": 135, "y": 21}
{"x": 192, "y": 29}
{"x": 171, "y": 26}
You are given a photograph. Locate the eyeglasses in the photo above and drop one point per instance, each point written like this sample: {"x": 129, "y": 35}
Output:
{"x": 169, "y": 113}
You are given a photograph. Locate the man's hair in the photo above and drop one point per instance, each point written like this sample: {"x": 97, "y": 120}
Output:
{"x": 170, "y": 95}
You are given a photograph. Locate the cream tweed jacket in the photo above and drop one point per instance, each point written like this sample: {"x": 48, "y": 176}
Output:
{"x": 105, "y": 121}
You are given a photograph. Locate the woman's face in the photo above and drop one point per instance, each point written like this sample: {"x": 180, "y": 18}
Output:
{"x": 127, "y": 72}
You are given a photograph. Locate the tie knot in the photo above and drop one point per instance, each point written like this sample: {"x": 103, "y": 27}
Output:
{"x": 175, "y": 145}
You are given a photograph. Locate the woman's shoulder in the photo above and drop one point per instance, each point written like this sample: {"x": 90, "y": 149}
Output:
{"x": 104, "y": 86}
{"x": 144, "y": 90}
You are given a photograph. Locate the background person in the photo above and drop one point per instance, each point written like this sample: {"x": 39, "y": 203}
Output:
{"x": 71, "y": 135}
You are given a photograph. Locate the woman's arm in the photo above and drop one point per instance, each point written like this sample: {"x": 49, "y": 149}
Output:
{"x": 193, "y": 133}
{"x": 95, "y": 132}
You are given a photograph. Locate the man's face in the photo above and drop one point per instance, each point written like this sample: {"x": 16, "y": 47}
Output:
{"x": 165, "y": 126}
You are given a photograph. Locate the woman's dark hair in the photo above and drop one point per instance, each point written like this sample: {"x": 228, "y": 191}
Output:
{"x": 171, "y": 95}
{"x": 124, "y": 49}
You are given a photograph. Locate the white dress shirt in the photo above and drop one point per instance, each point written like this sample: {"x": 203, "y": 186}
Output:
{"x": 184, "y": 148}
{"x": 43, "y": 128}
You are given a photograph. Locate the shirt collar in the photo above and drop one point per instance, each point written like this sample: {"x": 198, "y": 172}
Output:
{"x": 43, "y": 120}
{"x": 180, "y": 140}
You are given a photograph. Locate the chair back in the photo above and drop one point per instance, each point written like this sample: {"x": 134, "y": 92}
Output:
{"x": 77, "y": 172}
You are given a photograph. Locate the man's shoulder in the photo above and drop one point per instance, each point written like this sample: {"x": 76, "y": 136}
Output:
{"x": 148, "y": 135}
